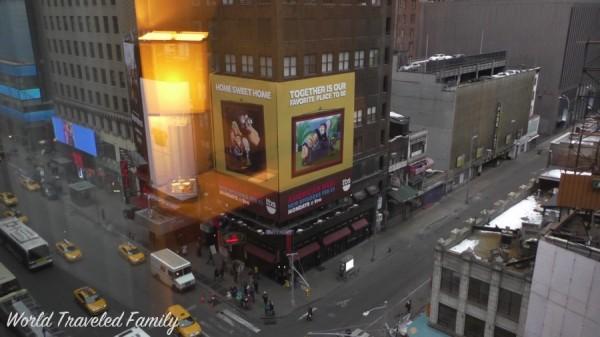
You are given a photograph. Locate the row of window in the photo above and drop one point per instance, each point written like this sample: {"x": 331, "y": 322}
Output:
{"x": 98, "y": 75}
{"x": 473, "y": 327}
{"x": 290, "y": 63}
{"x": 95, "y": 121}
{"x": 371, "y": 116}
{"x": 509, "y": 303}
{"x": 71, "y": 3}
{"x": 87, "y": 24}
{"x": 81, "y": 48}
{"x": 117, "y": 104}
{"x": 404, "y": 3}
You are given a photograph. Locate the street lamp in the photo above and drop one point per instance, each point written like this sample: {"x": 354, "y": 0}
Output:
{"x": 470, "y": 166}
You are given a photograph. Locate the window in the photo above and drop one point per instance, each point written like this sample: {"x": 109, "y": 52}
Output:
{"x": 87, "y": 73}
{"x": 100, "y": 51}
{"x": 124, "y": 104}
{"x": 359, "y": 59}
{"x": 478, "y": 290}
{"x": 289, "y": 66}
{"x": 266, "y": 66}
{"x": 80, "y": 23}
{"x": 450, "y": 281}
{"x": 115, "y": 103}
{"x": 88, "y": 24}
{"x": 310, "y": 64}
{"x": 358, "y": 143}
{"x": 227, "y": 2}
{"x": 95, "y": 74}
{"x": 121, "y": 79}
{"x": 446, "y": 317}
{"x": 118, "y": 52}
{"x": 371, "y": 111}
{"x": 115, "y": 22}
{"x": 327, "y": 63}
{"x": 103, "y": 75}
{"x": 509, "y": 304}
{"x": 373, "y": 57}
{"x": 106, "y": 101}
{"x": 105, "y": 20}
{"x": 109, "y": 53}
{"x": 375, "y": 2}
{"x": 112, "y": 77}
{"x": 247, "y": 64}
{"x": 474, "y": 327}
{"x": 91, "y": 45}
{"x": 382, "y": 137}
{"x": 230, "y": 66}
{"x": 343, "y": 61}
{"x": 358, "y": 117}
{"x": 97, "y": 24}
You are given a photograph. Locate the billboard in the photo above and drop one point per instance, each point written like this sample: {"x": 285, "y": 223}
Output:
{"x": 75, "y": 135}
{"x": 301, "y": 125}
{"x": 244, "y": 137}
{"x": 131, "y": 57}
{"x": 318, "y": 141}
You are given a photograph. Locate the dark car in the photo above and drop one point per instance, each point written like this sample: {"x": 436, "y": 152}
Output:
{"x": 49, "y": 191}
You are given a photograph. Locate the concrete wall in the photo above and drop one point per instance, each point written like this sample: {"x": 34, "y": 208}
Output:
{"x": 476, "y": 106}
{"x": 429, "y": 107}
{"x": 535, "y": 33}
{"x": 565, "y": 294}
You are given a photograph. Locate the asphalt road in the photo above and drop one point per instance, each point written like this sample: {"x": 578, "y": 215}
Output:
{"x": 127, "y": 288}
{"x": 384, "y": 287}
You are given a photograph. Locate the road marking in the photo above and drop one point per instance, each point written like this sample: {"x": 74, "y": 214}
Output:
{"x": 240, "y": 320}
{"x": 225, "y": 318}
{"x": 306, "y": 313}
{"x": 342, "y": 303}
{"x": 192, "y": 307}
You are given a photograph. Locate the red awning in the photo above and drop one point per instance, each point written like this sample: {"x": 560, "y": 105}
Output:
{"x": 360, "y": 224}
{"x": 260, "y": 253}
{"x": 421, "y": 166}
{"x": 307, "y": 250}
{"x": 335, "y": 236}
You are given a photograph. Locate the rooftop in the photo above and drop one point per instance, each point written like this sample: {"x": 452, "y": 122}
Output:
{"x": 504, "y": 239}
{"x": 579, "y": 229}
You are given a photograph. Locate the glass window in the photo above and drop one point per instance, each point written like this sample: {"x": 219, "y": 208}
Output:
{"x": 230, "y": 66}
{"x": 373, "y": 57}
{"x": 289, "y": 66}
{"x": 343, "y": 61}
{"x": 310, "y": 64}
{"x": 247, "y": 64}
{"x": 266, "y": 66}
{"x": 327, "y": 63}
{"x": 478, "y": 290}
{"x": 509, "y": 304}
{"x": 450, "y": 282}
{"x": 359, "y": 59}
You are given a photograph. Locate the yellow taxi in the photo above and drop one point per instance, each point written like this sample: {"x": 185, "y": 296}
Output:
{"x": 68, "y": 250}
{"x": 17, "y": 214}
{"x": 186, "y": 324}
{"x": 9, "y": 199}
{"x": 30, "y": 184}
{"x": 89, "y": 299}
{"x": 131, "y": 253}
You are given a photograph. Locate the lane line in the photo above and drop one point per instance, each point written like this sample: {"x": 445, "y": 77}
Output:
{"x": 225, "y": 319}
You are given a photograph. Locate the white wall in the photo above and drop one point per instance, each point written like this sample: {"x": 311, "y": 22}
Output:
{"x": 565, "y": 294}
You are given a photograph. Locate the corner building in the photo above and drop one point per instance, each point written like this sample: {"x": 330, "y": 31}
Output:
{"x": 299, "y": 108}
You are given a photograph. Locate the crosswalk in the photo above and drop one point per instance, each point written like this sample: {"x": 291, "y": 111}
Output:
{"x": 224, "y": 323}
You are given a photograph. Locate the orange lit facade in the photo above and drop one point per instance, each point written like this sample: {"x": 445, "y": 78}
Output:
{"x": 265, "y": 124}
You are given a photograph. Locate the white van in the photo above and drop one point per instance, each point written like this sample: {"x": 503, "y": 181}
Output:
{"x": 172, "y": 269}
{"x": 133, "y": 332}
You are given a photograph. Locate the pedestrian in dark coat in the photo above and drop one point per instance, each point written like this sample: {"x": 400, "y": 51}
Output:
{"x": 265, "y": 298}
{"x": 255, "y": 284}
{"x": 216, "y": 274}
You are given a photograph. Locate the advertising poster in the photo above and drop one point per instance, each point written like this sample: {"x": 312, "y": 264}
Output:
{"x": 75, "y": 135}
{"x": 244, "y": 137}
{"x": 131, "y": 58}
{"x": 318, "y": 141}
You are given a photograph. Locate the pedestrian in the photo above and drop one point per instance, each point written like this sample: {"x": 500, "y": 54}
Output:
{"x": 255, "y": 284}
{"x": 213, "y": 300}
{"x": 408, "y": 306}
{"x": 256, "y": 272}
{"x": 235, "y": 276}
{"x": 309, "y": 314}
{"x": 210, "y": 259}
{"x": 265, "y": 298}
{"x": 216, "y": 274}
{"x": 271, "y": 308}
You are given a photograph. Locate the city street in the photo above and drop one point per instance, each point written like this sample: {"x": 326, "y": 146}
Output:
{"x": 401, "y": 268}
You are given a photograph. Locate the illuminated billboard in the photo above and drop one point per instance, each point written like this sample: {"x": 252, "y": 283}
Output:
{"x": 244, "y": 137}
{"x": 75, "y": 135}
{"x": 303, "y": 132}
{"x": 318, "y": 141}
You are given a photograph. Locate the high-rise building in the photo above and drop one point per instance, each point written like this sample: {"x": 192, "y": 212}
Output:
{"x": 408, "y": 14}
{"x": 81, "y": 50}
{"x": 299, "y": 109}
{"x": 24, "y": 105}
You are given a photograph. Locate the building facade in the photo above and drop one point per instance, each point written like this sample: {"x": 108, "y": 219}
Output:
{"x": 474, "y": 111}
{"x": 408, "y": 16}
{"x": 298, "y": 114}
{"x": 25, "y": 108}
{"x": 554, "y": 46}
{"x": 84, "y": 70}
